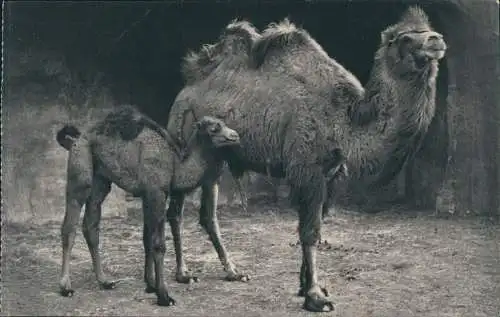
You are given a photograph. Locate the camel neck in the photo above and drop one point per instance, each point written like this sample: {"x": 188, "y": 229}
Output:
{"x": 199, "y": 160}
{"x": 398, "y": 110}
{"x": 409, "y": 95}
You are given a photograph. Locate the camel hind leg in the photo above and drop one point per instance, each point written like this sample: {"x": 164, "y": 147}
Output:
{"x": 209, "y": 222}
{"x": 74, "y": 204}
{"x": 90, "y": 227}
{"x": 175, "y": 218}
{"x": 148, "y": 254}
{"x": 154, "y": 203}
{"x": 78, "y": 188}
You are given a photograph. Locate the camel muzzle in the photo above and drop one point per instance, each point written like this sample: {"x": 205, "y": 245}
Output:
{"x": 233, "y": 137}
{"x": 435, "y": 47}
{"x": 228, "y": 138}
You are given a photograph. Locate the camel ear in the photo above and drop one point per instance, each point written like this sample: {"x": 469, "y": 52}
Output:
{"x": 388, "y": 35}
{"x": 69, "y": 138}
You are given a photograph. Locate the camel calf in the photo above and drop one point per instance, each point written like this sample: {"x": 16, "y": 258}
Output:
{"x": 132, "y": 151}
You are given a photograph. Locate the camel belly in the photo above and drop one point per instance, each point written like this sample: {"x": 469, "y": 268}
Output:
{"x": 192, "y": 174}
{"x": 134, "y": 166}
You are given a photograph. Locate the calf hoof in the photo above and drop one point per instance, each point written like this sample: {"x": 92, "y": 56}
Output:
{"x": 302, "y": 292}
{"x": 66, "y": 292}
{"x": 316, "y": 302}
{"x": 186, "y": 278}
{"x": 106, "y": 285}
{"x": 65, "y": 287}
{"x": 165, "y": 300}
{"x": 237, "y": 277}
{"x": 150, "y": 289}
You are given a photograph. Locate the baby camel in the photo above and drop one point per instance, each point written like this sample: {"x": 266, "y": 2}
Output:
{"x": 131, "y": 150}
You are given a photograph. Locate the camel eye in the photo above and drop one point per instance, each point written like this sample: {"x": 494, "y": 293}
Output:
{"x": 216, "y": 128}
{"x": 405, "y": 39}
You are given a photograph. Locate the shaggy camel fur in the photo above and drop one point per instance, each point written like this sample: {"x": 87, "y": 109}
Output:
{"x": 130, "y": 150}
{"x": 295, "y": 104}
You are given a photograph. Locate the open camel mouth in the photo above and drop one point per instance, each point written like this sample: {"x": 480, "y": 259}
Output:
{"x": 227, "y": 141}
{"x": 436, "y": 53}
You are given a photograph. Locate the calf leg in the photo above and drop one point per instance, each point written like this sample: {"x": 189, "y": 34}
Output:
{"x": 175, "y": 219}
{"x": 78, "y": 188}
{"x": 90, "y": 227}
{"x": 76, "y": 194}
{"x": 154, "y": 203}
{"x": 209, "y": 222}
{"x": 149, "y": 278}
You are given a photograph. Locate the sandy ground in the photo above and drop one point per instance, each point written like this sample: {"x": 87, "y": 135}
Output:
{"x": 392, "y": 264}
{"x": 396, "y": 263}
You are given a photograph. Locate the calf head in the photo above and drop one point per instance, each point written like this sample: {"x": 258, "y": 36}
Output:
{"x": 216, "y": 132}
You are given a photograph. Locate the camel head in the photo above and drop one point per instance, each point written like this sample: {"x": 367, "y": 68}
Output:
{"x": 411, "y": 46}
{"x": 236, "y": 40}
{"x": 67, "y": 136}
{"x": 214, "y": 131}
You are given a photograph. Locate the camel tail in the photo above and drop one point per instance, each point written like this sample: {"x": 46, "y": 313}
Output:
{"x": 67, "y": 136}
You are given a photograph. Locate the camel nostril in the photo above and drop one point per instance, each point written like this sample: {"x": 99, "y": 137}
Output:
{"x": 234, "y": 136}
{"x": 435, "y": 37}
{"x": 435, "y": 42}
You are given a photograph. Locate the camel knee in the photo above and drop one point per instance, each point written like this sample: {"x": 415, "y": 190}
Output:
{"x": 68, "y": 229}
{"x": 90, "y": 232}
{"x": 310, "y": 215}
{"x": 309, "y": 235}
{"x": 310, "y": 224}
{"x": 159, "y": 246}
{"x": 71, "y": 218}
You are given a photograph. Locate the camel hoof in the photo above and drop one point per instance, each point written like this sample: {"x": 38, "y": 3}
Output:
{"x": 108, "y": 285}
{"x": 66, "y": 292}
{"x": 317, "y": 304}
{"x": 237, "y": 277}
{"x": 165, "y": 300}
{"x": 186, "y": 279}
{"x": 150, "y": 289}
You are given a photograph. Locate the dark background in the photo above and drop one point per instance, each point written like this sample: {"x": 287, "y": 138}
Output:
{"x": 139, "y": 45}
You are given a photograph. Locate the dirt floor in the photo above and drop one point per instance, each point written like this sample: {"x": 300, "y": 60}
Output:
{"x": 392, "y": 264}
{"x": 396, "y": 263}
